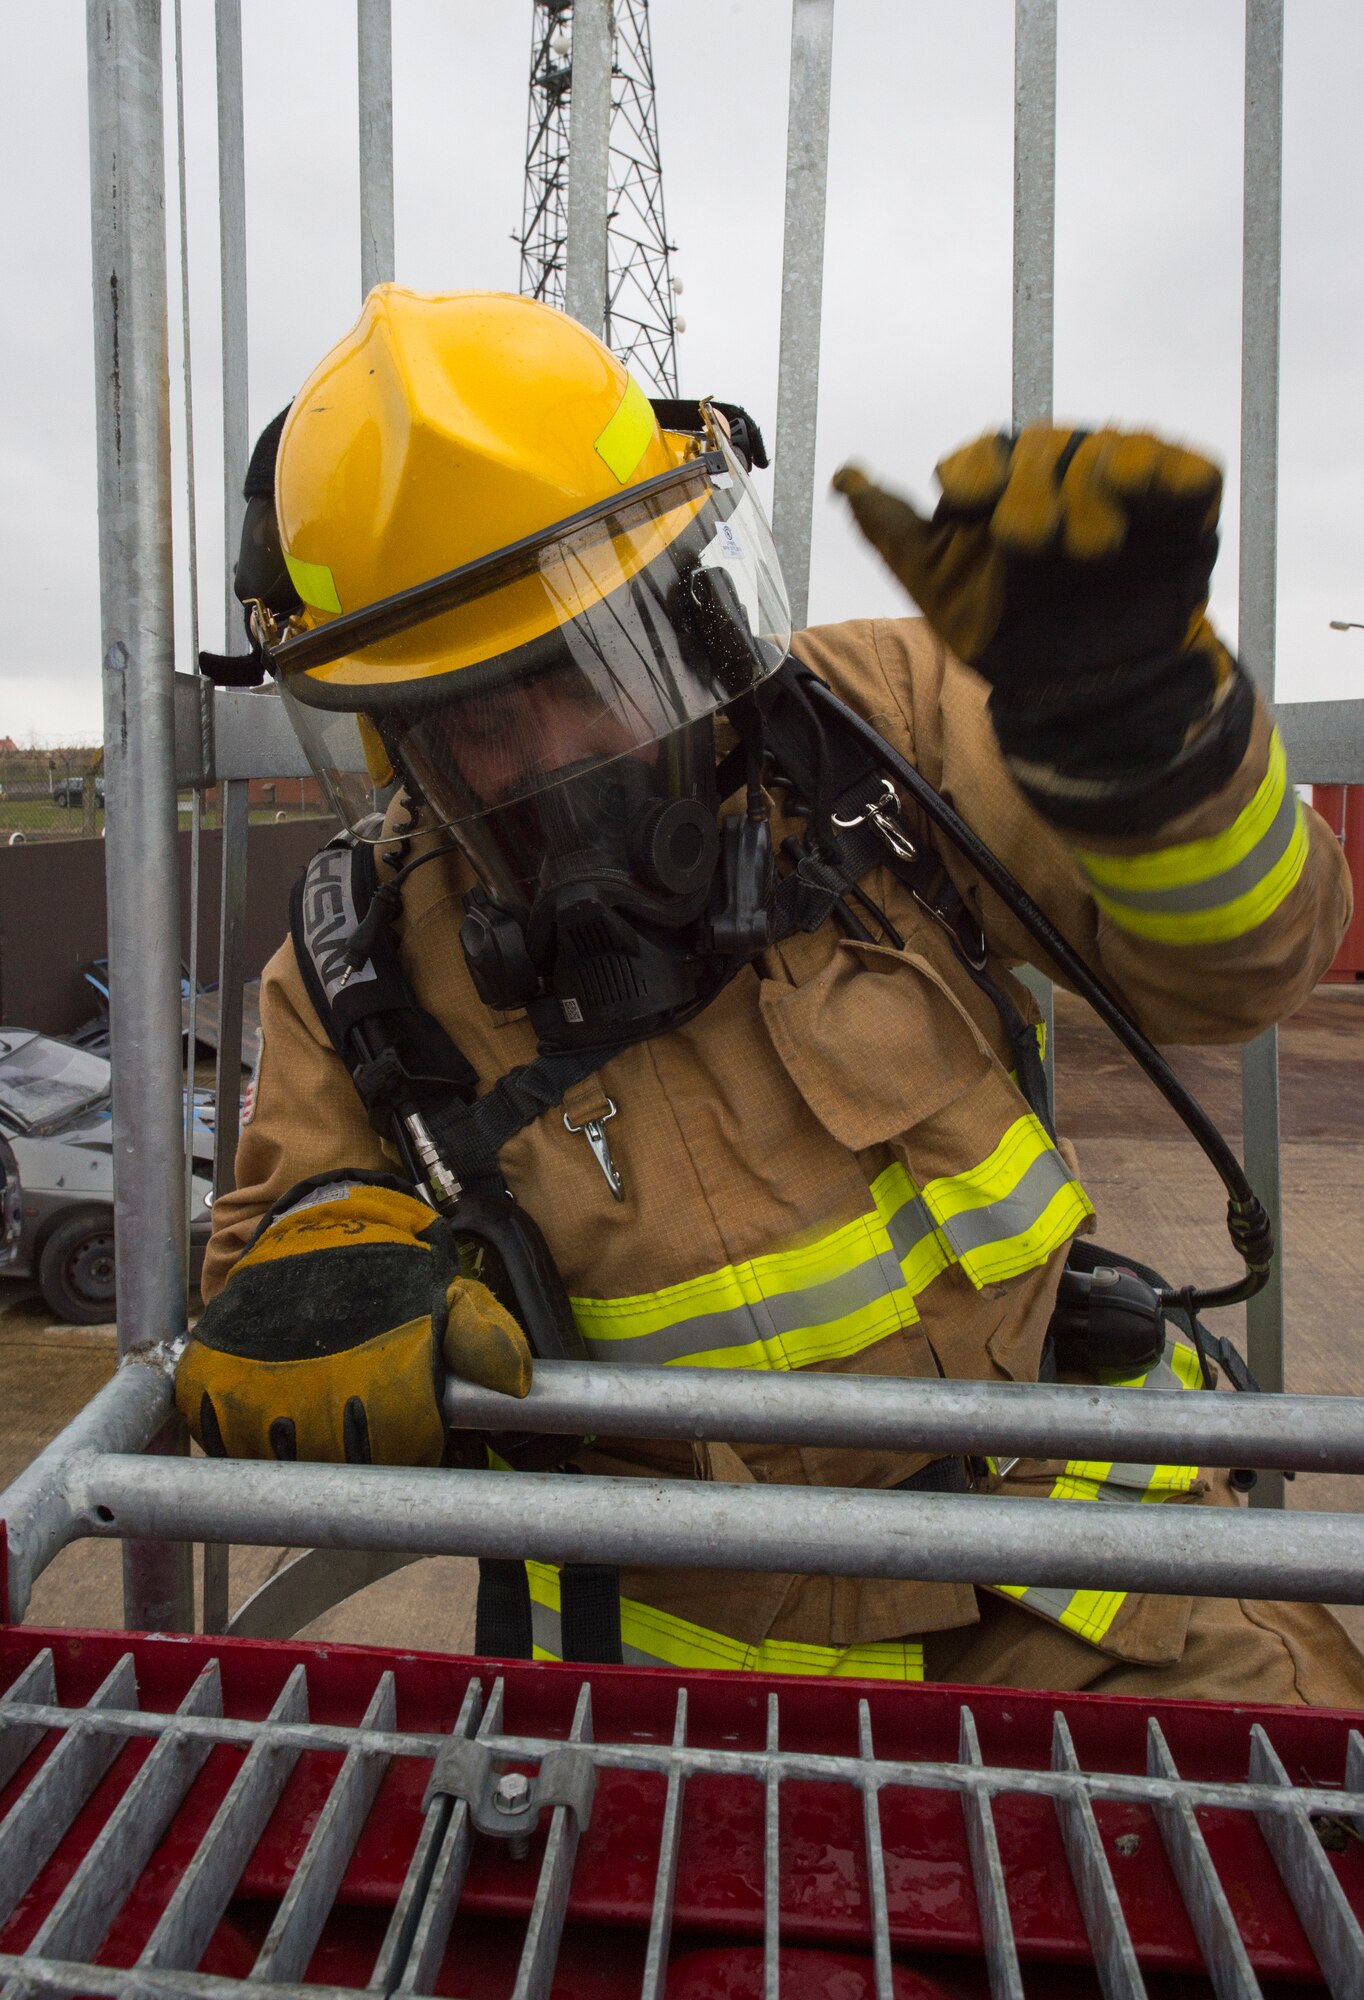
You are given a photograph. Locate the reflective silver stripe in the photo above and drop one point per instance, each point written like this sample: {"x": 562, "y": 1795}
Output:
{"x": 1215, "y": 890}
{"x": 996, "y": 1221}
{"x": 910, "y": 1226}
{"x": 781, "y": 1316}
{"x": 547, "y": 1635}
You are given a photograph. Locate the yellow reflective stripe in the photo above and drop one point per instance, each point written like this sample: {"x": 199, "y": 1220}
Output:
{"x": 314, "y": 583}
{"x": 921, "y": 1249}
{"x": 1211, "y": 890}
{"x": 1090, "y": 1613}
{"x": 844, "y": 1291}
{"x": 829, "y": 1298}
{"x": 625, "y": 439}
{"x": 1185, "y": 1363}
{"x": 837, "y": 1295}
{"x": 1087, "y": 1613}
{"x": 654, "y": 1638}
{"x": 1012, "y": 1211}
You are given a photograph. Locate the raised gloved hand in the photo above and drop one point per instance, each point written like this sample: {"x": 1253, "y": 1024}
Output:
{"x": 1071, "y": 569}
{"x": 332, "y": 1337}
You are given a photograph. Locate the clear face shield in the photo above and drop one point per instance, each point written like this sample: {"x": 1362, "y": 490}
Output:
{"x": 648, "y": 614}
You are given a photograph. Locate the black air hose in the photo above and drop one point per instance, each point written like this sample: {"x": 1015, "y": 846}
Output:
{"x": 1247, "y": 1223}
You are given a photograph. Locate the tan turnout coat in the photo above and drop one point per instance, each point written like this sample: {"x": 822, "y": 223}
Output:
{"x": 763, "y": 1122}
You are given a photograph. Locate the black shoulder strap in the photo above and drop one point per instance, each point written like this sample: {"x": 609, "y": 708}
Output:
{"x": 330, "y": 898}
{"x": 358, "y": 1003}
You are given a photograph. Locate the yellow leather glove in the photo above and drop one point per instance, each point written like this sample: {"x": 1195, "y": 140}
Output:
{"x": 1072, "y": 570}
{"x": 332, "y": 1337}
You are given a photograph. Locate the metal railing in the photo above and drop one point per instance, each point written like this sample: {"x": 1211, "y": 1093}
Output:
{"x": 162, "y": 727}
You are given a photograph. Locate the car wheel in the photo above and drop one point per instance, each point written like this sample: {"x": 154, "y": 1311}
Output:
{"x": 76, "y": 1268}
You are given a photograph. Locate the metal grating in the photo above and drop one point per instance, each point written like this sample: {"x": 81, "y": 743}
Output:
{"x": 200, "y": 1850}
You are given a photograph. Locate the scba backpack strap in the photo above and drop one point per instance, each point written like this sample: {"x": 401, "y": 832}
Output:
{"x": 397, "y": 1052}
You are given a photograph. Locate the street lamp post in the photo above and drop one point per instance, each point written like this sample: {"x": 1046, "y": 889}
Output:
{"x": 1346, "y": 625}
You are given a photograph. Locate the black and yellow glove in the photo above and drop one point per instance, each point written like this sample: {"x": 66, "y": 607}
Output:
{"x": 1071, "y": 569}
{"x": 333, "y": 1335}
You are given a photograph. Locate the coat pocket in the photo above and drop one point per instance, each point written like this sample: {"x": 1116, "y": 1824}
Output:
{"x": 883, "y": 1052}
{"x": 875, "y": 1043}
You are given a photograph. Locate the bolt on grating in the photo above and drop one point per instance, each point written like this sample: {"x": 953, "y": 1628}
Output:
{"x": 471, "y": 1792}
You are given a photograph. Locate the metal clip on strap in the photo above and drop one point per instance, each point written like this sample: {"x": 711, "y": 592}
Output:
{"x": 594, "y": 1131}
{"x": 884, "y": 814}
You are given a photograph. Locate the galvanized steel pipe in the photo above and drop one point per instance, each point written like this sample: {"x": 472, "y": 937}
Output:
{"x": 374, "y": 28}
{"x": 1218, "y": 1552}
{"x": 802, "y": 292}
{"x": 1034, "y": 298}
{"x": 36, "y": 1508}
{"x": 589, "y": 165}
{"x": 1258, "y": 600}
{"x": 888, "y": 1413}
{"x": 132, "y": 405}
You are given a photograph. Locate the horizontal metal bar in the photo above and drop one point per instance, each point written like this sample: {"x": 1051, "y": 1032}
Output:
{"x": 881, "y": 1412}
{"x": 201, "y": 1500}
{"x": 1324, "y": 740}
{"x": 139, "y": 1982}
{"x": 817, "y": 1767}
{"x": 826, "y": 1531}
{"x": 248, "y": 734}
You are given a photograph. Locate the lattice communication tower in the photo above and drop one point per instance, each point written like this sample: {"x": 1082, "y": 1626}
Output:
{"x": 641, "y": 325}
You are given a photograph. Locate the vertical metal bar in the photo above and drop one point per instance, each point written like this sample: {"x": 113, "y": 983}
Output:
{"x": 1034, "y": 293}
{"x": 1262, "y": 241}
{"x": 192, "y": 553}
{"x": 80, "y": 1919}
{"x": 1115, "y": 1960}
{"x": 876, "y": 1858}
{"x": 204, "y": 1890}
{"x": 233, "y": 801}
{"x": 232, "y": 253}
{"x": 297, "y": 1924}
{"x": 132, "y": 401}
{"x": 38, "y": 1682}
{"x": 589, "y": 162}
{"x": 772, "y": 1857}
{"x": 1332, "y": 1927}
{"x": 802, "y": 290}
{"x": 1219, "y": 1940}
{"x": 544, "y": 1927}
{"x": 35, "y": 1824}
{"x": 987, "y": 1873}
{"x": 374, "y": 25}
{"x": 435, "y": 1873}
{"x": 1034, "y": 209}
{"x": 669, "y": 1853}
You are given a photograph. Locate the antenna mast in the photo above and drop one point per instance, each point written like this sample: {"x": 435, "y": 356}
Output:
{"x": 641, "y": 324}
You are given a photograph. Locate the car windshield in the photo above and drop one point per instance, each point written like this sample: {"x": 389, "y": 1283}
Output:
{"x": 44, "y": 1083}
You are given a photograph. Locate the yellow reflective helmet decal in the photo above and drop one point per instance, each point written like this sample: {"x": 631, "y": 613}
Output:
{"x": 314, "y": 583}
{"x": 626, "y": 437}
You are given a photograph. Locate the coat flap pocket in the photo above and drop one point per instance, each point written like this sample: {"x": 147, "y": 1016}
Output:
{"x": 875, "y": 1043}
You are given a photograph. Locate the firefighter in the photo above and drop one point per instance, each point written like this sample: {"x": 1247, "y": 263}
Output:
{"x": 547, "y": 617}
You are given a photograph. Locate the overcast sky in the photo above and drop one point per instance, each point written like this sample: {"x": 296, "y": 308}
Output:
{"x": 916, "y": 338}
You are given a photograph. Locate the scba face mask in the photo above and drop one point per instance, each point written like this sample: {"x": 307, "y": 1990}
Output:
{"x": 599, "y": 919}
{"x": 577, "y": 772}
